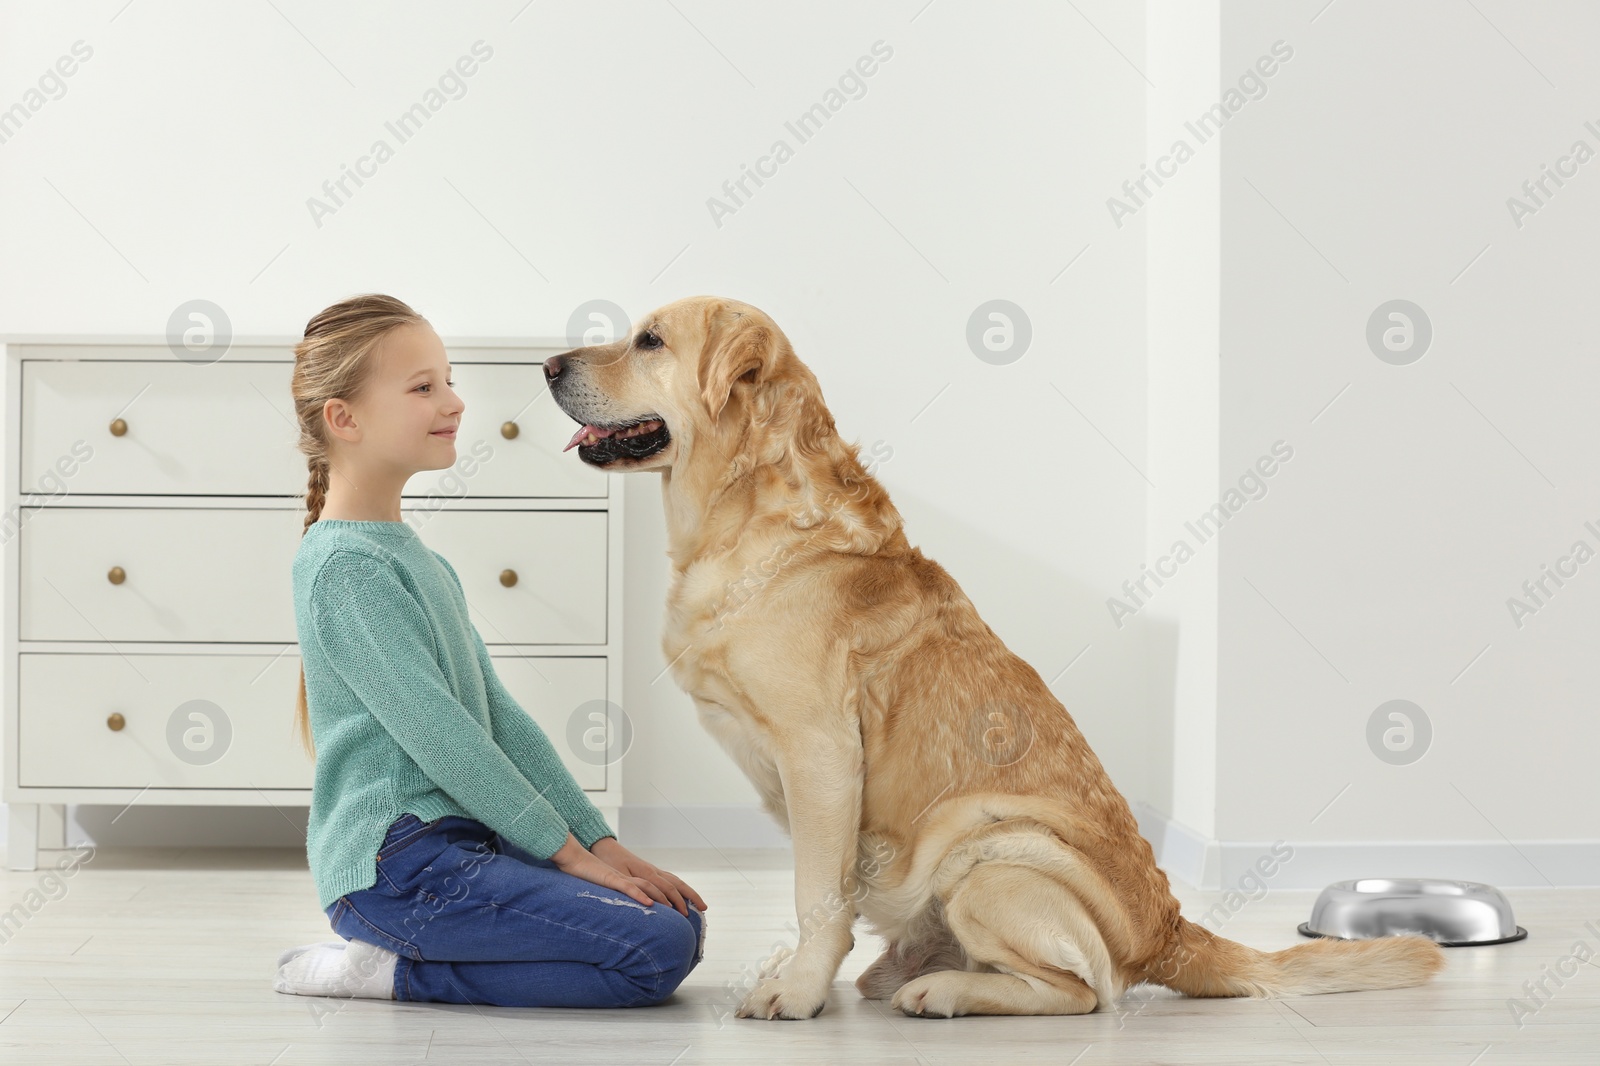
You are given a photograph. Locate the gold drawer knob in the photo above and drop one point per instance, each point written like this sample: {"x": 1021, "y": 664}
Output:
{"x": 509, "y": 430}
{"x": 116, "y": 722}
{"x": 116, "y": 575}
{"x": 118, "y": 428}
{"x": 508, "y": 578}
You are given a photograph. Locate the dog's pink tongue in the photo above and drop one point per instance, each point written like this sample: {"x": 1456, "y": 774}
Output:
{"x": 584, "y": 432}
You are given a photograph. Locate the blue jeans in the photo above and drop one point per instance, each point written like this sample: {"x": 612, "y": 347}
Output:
{"x": 476, "y": 919}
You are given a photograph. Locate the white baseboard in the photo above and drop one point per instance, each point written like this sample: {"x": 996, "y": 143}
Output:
{"x": 1185, "y": 855}
{"x": 707, "y": 826}
{"x": 1213, "y": 865}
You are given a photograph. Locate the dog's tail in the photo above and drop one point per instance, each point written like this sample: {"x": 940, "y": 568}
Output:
{"x": 1200, "y": 963}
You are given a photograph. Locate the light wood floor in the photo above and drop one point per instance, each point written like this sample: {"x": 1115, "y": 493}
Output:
{"x": 165, "y": 956}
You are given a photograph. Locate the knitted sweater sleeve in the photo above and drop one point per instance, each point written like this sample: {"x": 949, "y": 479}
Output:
{"x": 530, "y": 749}
{"x": 377, "y": 639}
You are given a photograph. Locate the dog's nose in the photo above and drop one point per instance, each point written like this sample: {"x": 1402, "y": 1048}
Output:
{"x": 553, "y": 367}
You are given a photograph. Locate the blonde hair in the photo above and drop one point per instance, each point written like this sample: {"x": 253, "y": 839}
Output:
{"x": 333, "y": 362}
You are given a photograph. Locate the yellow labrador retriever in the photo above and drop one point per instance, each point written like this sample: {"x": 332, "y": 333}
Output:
{"x": 928, "y": 777}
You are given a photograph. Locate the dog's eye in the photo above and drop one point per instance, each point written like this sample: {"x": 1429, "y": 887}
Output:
{"x": 646, "y": 339}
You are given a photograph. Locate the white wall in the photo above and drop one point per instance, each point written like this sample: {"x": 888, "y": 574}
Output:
{"x": 577, "y": 166}
{"x": 1232, "y": 708}
{"x": 1374, "y": 161}
{"x": 1179, "y": 616}
{"x": 1379, "y": 567}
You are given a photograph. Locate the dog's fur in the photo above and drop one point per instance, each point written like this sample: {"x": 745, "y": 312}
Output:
{"x": 928, "y": 777}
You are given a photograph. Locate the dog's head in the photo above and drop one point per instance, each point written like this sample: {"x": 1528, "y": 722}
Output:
{"x": 688, "y": 378}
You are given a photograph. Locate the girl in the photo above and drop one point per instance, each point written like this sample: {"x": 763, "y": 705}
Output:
{"x": 449, "y": 845}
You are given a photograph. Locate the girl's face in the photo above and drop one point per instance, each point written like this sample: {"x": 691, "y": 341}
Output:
{"x": 407, "y": 414}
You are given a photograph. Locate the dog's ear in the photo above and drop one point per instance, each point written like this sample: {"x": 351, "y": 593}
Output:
{"x": 738, "y": 347}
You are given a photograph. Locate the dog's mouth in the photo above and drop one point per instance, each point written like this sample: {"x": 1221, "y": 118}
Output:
{"x": 638, "y": 439}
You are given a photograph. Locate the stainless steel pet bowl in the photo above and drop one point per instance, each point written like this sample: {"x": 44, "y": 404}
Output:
{"x": 1452, "y": 913}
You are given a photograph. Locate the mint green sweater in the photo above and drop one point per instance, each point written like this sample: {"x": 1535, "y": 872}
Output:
{"x": 407, "y": 712}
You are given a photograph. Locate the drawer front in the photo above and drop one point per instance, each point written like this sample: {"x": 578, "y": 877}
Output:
{"x": 187, "y": 575}
{"x": 501, "y": 399}
{"x": 228, "y": 429}
{"x": 227, "y": 575}
{"x": 557, "y": 560}
{"x": 223, "y": 429}
{"x": 554, "y": 691}
{"x": 189, "y": 721}
{"x": 225, "y": 721}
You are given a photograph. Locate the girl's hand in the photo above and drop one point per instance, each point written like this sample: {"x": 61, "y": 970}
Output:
{"x": 663, "y": 886}
{"x": 575, "y": 859}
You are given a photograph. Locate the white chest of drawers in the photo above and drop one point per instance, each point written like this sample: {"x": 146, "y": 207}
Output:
{"x": 153, "y": 511}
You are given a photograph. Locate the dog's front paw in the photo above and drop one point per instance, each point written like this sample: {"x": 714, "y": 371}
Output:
{"x": 773, "y": 966}
{"x": 776, "y": 997}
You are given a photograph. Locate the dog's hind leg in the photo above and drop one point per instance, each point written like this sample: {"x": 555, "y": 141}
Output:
{"x": 1025, "y": 924}
{"x": 906, "y": 960}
